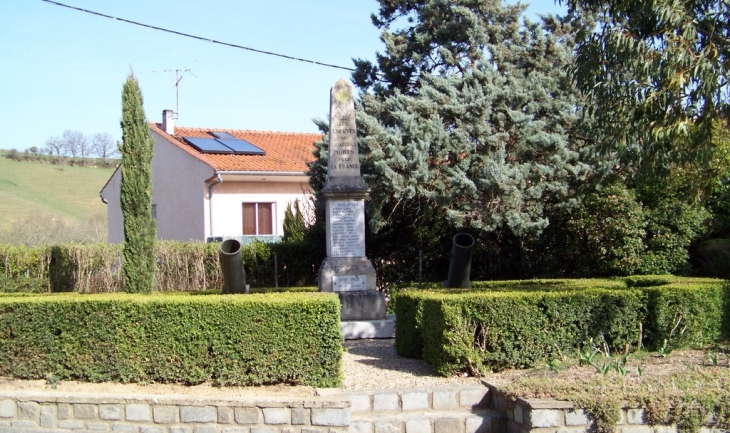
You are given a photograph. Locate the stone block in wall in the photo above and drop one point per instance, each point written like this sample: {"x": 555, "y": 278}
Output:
{"x": 84, "y": 411}
{"x": 359, "y": 402}
{"x": 389, "y": 426}
{"x": 263, "y": 430}
{"x": 124, "y": 428}
{"x": 298, "y": 415}
{"x": 544, "y": 418}
{"x": 447, "y": 425}
{"x": 205, "y": 429}
{"x": 414, "y": 400}
{"x": 445, "y": 399}
{"x": 418, "y": 425}
{"x": 28, "y": 410}
{"x": 151, "y": 429}
{"x": 276, "y": 415}
{"x": 190, "y": 414}
{"x": 137, "y": 412}
{"x": 71, "y": 424}
{"x": 335, "y": 417}
{"x": 7, "y": 409}
{"x": 65, "y": 411}
{"x": 635, "y": 416}
{"x": 479, "y": 424}
{"x": 24, "y": 423}
{"x": 112, "y": 412}
{"x": 229, "y": 430}
{"x": 576, "y": 417}
{"x": 473, "y": 396}
{"x": 165, "y": 414}
{"x": 98, "y": 426}
{"x": 225, "y": 415}
{"x": 246, "y": 415}
{"x": 48, "y": 416}
{"x": 178, "y": 429}
{"x": 386, "y": 402}
{"x": 518, "y": 414}
{"x": 361, "y": 426}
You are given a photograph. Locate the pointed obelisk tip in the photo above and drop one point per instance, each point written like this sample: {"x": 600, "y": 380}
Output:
{"x": 341, "y": 91}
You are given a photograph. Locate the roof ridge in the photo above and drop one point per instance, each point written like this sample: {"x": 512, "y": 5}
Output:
{"x": 258, "y": 131}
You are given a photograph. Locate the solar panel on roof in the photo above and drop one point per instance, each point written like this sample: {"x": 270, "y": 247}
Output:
{"x": 224, "y": 135}
{"x": 242, "y": 147}
{"x": 208, "y": 145}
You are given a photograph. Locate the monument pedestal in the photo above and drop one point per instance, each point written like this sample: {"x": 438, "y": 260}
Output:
{"x": 353, "y": 279}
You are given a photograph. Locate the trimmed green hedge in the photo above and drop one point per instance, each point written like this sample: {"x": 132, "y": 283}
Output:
{"x": 173, "y": 338}
{"x": 519, "y": 323}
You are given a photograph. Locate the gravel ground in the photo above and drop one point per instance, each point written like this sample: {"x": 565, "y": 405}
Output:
{"x": 374, "y": 364}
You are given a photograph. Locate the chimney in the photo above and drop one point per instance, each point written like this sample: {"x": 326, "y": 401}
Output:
{"x": 168, "y": 122}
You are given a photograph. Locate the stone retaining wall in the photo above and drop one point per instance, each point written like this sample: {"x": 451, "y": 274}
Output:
{"x": 52, "y": 412}
{"x": 551, "y": 416}
{"x": 444, "y": 409}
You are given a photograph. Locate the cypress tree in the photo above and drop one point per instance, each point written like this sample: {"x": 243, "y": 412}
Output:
{"x": 138, "y": 265}
{"x": 294, "y": 227}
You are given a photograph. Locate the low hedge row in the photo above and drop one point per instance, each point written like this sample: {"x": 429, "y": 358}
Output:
{"x": 519, "y": 323}
{"x": 173, "y": 338}
{"x": 180, "y": 266}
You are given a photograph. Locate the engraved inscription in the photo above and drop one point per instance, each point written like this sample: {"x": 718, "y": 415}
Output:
{"x": 349, "y": 283}
{"x": 343, "y": 154}
{"x": 347, "y": 228}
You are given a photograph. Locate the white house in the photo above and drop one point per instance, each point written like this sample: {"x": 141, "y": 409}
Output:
{"x": 219, "y": 182}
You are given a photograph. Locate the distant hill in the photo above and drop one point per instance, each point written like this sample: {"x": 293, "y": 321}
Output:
{"x": 30, "y": 189}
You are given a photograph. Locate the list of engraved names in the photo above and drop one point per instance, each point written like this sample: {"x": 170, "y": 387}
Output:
{"x": 347, "y": 227}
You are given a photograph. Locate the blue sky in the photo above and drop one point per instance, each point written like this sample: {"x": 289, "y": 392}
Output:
{"x": 63, "y": 69}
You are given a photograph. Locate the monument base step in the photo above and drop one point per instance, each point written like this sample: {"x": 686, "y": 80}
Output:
{"x": 364, "y": 329}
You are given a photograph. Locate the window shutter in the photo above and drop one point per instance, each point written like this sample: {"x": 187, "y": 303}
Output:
{"x": 265, "y": 219}
{"x": 249, "y": 218}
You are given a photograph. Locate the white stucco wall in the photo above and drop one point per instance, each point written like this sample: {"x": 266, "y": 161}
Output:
{"x": 114, "y": 220}
{"x": 228, "y": 199}
{"x": 179, "y": 192}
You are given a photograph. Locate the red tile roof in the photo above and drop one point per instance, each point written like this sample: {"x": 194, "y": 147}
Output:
{"x": 285, "y": 151}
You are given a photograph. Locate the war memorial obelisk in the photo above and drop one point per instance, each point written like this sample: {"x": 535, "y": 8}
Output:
{"x": 346, "y": 270}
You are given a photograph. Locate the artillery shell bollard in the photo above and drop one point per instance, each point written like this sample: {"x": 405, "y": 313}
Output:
{"x": 234, "y": 276}
{"x": 460, "y": 266}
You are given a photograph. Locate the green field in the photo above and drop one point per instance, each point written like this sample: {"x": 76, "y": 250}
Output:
{"x": 67, "y": 192}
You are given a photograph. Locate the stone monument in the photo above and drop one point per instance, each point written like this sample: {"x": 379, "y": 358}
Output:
{"x": 346, "y": 271}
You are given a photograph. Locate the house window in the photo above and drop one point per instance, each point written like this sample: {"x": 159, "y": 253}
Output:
{"x": 258, "y": 219}
{"x": 154, "y": 211}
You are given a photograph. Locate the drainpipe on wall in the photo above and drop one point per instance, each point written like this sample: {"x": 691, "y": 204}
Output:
{"x": 219, "y": 180}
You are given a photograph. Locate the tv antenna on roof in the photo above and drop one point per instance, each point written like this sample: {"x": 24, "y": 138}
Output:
{"x": 179, "y": 75}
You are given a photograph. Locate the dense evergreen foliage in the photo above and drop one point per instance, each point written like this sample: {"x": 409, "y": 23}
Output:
{"x": 136, "y": 192}
{"x": 470, "y": 121}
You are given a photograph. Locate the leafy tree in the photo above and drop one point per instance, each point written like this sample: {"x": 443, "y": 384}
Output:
{"x": 74, "y": 142}
{"x": 136, "y": 189}
{"x": 103, "y": 145}
{"x": 55, "y": 144}
{"x": 467, "y": 112}
{"x": 657, "y": 74}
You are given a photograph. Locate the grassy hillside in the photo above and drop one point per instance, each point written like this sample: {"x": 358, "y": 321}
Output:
{"x": 30, "y": 189}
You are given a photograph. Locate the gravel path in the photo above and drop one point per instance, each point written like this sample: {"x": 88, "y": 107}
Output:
{"x": 374, "y": 364}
